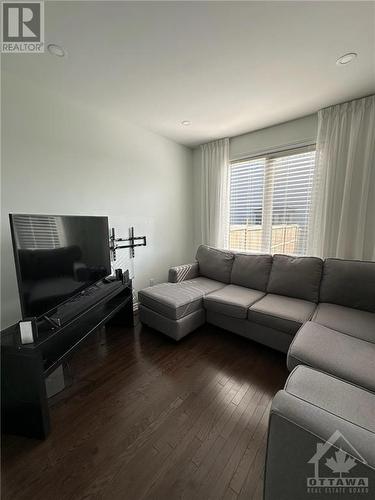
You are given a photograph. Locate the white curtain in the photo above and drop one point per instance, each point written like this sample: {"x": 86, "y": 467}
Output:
{"x": 214, "y": 193}
{"x": 342, "y": 220}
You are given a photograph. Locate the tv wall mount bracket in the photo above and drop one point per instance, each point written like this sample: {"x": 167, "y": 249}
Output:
{"x": 131, "y": 242}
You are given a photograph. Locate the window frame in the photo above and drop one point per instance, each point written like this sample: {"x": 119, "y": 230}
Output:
{"x": 267, "y": 212}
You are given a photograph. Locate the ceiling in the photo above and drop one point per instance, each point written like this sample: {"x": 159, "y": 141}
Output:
{"x": 228, "y": 67}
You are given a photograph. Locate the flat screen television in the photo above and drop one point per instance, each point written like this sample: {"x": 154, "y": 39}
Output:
{"x": 57, "y": 256}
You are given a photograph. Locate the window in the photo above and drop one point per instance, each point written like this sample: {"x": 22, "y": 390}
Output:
{"x": 270, "y": 199}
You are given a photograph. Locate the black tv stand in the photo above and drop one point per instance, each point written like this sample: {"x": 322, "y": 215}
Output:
{"x": 84, "y": 300}
{"x": 24, "y": 367}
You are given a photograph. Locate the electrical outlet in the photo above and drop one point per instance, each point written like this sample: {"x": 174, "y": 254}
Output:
{"x": 152, "y": 282}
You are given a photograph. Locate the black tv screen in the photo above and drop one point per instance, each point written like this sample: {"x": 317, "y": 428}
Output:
{"x": 56, "y": 257}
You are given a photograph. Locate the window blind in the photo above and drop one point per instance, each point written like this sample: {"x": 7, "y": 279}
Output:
{"x": 270, "y": 198}
{"x": 246, "y": 205}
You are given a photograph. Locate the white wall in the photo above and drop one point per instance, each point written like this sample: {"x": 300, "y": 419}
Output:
{"x": 60, "y": 157}
{"x": 285, "y": 134}
{"x": 272, "y": 138}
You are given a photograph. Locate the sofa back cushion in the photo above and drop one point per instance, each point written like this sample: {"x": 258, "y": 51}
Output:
{"x": 297, "y": 277}
{"x": 215, "y": 264}
{"x": 349, "y": 283}
{"x": 251, "y": 271}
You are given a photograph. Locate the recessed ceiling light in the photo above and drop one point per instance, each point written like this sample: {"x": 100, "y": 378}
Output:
{"x": 56, "y": 50}
{"x": 346, "y": 58}
{"x": 186, "y": 123}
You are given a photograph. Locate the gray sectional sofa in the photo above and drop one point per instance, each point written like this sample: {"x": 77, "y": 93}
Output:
{"x": 323, "y": 314}
{"x": 261, "y": 297}
{"x": 265, "y": 298}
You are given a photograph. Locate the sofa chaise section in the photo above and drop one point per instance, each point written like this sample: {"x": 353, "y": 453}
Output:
{"x": 177, "y": 300}
{"x": 311, "y": 420}
{"x": 175, "y": 329}
{"x": 176, "y": 308}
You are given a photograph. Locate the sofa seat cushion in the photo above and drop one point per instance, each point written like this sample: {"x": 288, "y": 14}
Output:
{"x": 341, "y": 355}
{"x": 353, "y": 322}
{"x": 335, "y": 396}
{"x": 281, "y": 313}
{"x": 232, "y": 300}
{"x": 177, "y": 300}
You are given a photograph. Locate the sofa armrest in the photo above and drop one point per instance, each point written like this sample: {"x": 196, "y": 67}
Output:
{"x": 297, "y": 431}
{"x": 184, "y": 272}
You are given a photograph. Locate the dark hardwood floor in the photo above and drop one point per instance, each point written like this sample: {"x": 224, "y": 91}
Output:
{"x": 149, "y": 418}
